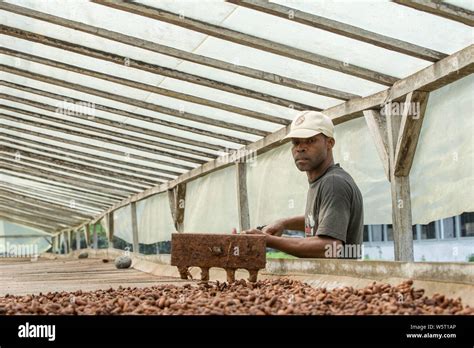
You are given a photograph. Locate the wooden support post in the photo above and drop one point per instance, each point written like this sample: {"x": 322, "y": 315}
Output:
{"x": 396, "y": 138}
{"x": 88, "y": 235}
{"x": 95, "y": 240}
{"x": 110, "y": 229}
{"x": 242, "y": 197}
{"x": 401, "y": 202}
{"x": 69, "y": 241}
{"x": 177, "y": 197}
{"x": 402, "y": 218}
{"x": 410, "y": 128}
{"x": 377, "y": 125}
{"x": 58, "y": 244}
{"x": 133, "y": 207}
{"x": 78, "y": 239}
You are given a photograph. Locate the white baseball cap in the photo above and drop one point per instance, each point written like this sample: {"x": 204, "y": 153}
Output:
{"x": 310, "y": 123}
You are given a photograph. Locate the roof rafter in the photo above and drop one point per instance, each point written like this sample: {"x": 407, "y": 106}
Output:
{"x": 103, "y": 121}
{"x": 82, "y": 206}
{"x": 47, "y": 162}
{"x": 139, "y": 171}
{"x": 153, "y": 68}
{"x": 343, "y": 29}
{"x": 135, "y": 102}
{"x": 447, "y": 70}
{"x": 441, "y": 9}
{"x": 36, "y": 175}
{"x": 122, "y": 125}
{"x": 78, "y": 198}
{"x": 29, "y": 223}
{"x": 7, "y": 206}
{"x": 249, "y": 40}
{"x": 90, "y": 136}
{"x": 153, "y": 120}
{"x": 67, "y": 160}
{"x": 48, "y": 173}
{"x": 129, "y": 156}
{"x": 42, "y": 204}
{"x": 180, "y": 54}
{"x": 141, "y": 86}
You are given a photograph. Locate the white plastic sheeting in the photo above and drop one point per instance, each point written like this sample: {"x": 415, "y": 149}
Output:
{"x": 276, "y": 188}
{"x": 12, "y": 244}
{"x": 356, "y": 153}
{"x": 441, "y": 180}
{"x": 211, "y": 203}
{"x": 123, "y": 224}
{"x": 155, "y": 223}
{"x": 442, "y": 176}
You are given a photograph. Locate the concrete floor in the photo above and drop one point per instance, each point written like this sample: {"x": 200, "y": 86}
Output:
{"x": 23, "y": 276}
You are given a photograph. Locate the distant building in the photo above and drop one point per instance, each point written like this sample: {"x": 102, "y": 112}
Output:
{"x": 450, "y": 239}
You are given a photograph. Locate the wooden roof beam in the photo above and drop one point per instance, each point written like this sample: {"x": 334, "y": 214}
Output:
{"x": 135, "y": 102}
{"x": 96, "y": 200}
{"x": 64, "y": 167}
{"x": 130, "y": 157}
{"x": 36, "y": 175}
{"x": 153, "y": 68}
{"x": 83, "y": 205}
{"x": 180, "y": 54}
{"x": 47, "y": 171}
{"x": 68, "y": 131}
{"x": 42, "y": 203}
{"x": 145, "y": 87}
{"x": 119, "y": 125}
{"x": 106, "y": 162}
{"x": 29, "y": 223}
{"x": 343, "y": 29}
{"x": 158, "y": 146}
{"x": 67, "y": 160}
{"x": 249, "y": 40}
{"x": 7, "y": 206}
{"x": 441, "y": 9}
{"x": 439, "y": 74}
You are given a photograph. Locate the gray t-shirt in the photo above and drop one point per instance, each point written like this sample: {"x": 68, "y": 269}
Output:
{"x": 334, "y": 207}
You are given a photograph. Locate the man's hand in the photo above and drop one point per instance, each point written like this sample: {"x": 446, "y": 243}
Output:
{"x": 252, "y": 231}
{"x": 275, "y": 229}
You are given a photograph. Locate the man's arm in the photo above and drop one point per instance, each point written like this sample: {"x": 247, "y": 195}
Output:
{"x": 295, "y": 223}
{"x": 305, "y": 247}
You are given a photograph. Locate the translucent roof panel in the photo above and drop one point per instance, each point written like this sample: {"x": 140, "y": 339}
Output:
{"x": 167, "y": 98}
{"x": 393, "y": 20}
{"x": 300, "y": 36}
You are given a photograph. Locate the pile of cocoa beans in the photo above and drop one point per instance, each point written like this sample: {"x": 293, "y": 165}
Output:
{"x": 280, "y": 296}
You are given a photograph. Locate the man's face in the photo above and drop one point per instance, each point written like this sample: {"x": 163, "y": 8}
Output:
{"x": 309, "y": 153}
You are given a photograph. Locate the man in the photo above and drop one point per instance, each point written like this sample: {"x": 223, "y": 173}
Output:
{"x": 333, "y": 220}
